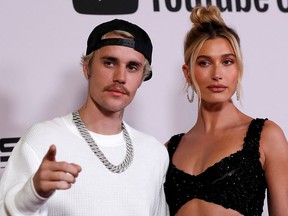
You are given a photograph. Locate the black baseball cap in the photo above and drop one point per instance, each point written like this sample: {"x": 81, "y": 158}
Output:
{"x": 141, "y": 41}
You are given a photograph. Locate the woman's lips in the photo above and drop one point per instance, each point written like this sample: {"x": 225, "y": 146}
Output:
{"x": 217, "y": 88}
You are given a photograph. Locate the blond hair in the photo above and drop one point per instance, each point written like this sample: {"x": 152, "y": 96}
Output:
{"x": 208, "y": 24}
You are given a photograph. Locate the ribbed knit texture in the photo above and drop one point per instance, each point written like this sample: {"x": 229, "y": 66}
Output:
{"x": 137, "y": 191}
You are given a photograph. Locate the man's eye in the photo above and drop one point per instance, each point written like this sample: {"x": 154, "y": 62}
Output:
{"x": 109, "y": 63}
{"x": 133, "y": 67}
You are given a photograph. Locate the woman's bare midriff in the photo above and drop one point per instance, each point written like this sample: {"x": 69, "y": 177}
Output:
{"x": 198, "y": 207}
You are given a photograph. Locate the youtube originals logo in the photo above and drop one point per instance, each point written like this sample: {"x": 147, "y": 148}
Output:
{"x": 105, "y": 7}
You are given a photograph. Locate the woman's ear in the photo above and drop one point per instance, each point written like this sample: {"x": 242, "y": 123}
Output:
{"x": 186, "y": 72}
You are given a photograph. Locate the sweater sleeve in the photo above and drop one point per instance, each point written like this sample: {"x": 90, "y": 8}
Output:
{"x": 17, "y": 193}
{"x": 162, "y": 207}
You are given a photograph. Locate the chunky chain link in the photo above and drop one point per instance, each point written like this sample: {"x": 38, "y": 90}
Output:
{"x": 94, "y": 147}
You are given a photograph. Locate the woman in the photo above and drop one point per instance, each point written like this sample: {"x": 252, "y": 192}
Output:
{"x": 227, "y": 160}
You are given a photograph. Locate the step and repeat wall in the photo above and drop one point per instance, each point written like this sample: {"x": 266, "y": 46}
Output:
{"x": 42, "y": 43}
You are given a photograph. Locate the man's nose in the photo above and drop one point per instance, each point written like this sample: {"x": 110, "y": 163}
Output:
{"x": 120, "y": 75}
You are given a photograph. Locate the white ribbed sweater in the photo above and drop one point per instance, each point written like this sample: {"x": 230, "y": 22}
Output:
{"x": 136, "y": 192}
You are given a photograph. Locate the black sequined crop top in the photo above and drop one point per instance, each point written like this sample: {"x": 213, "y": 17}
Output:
{"x": 236, "y": 182}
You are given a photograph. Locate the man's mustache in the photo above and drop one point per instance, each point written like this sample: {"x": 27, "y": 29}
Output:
{"x": 118, "y": 87}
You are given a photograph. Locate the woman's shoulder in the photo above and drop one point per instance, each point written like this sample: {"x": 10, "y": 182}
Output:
{"x": 273, "y": 140}
{"x": 272, "y": 131}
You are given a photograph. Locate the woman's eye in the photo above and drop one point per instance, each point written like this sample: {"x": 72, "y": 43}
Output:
{"x": 228, "y": 62}
{"x": 204, "y": 63}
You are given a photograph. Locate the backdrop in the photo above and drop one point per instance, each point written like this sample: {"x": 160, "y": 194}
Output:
{"x": 42, "y": 42}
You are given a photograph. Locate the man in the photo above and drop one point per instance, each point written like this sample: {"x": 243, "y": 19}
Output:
{"x": 102, "y": 166}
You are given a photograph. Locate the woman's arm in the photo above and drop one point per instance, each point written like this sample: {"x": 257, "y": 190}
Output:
{"x": 274, "y": 146}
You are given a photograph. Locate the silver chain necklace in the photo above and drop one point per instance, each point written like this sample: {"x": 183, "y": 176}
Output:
{"x": 94, "y": 147}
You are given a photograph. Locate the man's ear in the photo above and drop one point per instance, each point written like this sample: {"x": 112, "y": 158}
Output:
{"x": 86, "y": 71}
